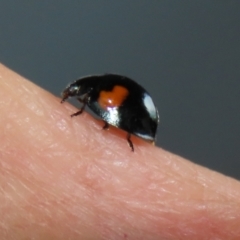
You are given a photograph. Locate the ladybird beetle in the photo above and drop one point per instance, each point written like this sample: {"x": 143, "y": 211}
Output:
{"x": 118, "y": 101}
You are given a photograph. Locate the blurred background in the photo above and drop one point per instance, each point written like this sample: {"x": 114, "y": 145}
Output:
{"x": 185, "y": 53}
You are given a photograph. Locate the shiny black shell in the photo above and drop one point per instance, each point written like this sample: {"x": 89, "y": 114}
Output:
{"x": 119, "y": 101}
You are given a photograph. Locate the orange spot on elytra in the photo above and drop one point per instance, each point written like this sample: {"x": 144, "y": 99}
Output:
{"x": 113, "y": 98}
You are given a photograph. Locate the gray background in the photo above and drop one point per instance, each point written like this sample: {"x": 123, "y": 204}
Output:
{"x": 186, "y": 53}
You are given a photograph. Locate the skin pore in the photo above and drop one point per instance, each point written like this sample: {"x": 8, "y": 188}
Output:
{"x": 62, "y": 178}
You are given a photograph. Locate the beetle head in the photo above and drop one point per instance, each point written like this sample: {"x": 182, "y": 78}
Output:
{"x": 70, "y": 91}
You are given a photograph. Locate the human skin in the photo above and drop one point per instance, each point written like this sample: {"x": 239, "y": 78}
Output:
{"x": 64, "y": 178}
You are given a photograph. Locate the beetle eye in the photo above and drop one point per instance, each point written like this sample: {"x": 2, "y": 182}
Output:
{"x": 73, "y": 90}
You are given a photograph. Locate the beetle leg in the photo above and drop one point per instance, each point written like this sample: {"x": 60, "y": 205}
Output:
{"x": 78, "y": 112}
{"x": 84, "y": 101}
{"x": 81, "y": 100}
{"x": 106, "y": 126}
{"x": 129, "y": 141}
